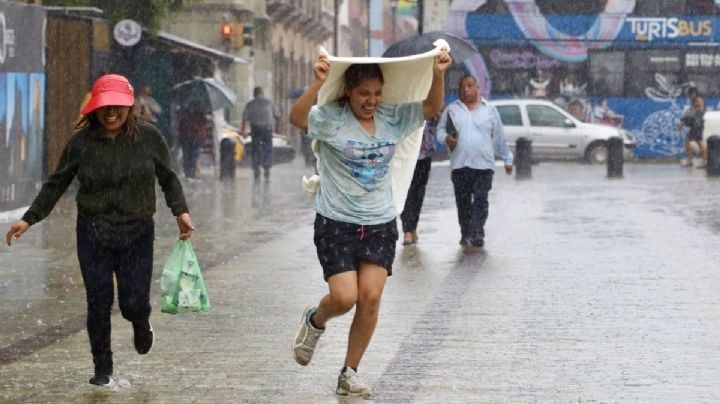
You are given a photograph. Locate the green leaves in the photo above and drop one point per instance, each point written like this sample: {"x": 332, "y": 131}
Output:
{"x": 148, "y": 13}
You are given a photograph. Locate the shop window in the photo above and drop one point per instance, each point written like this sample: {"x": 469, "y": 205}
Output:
{"x": 607, "y": 73}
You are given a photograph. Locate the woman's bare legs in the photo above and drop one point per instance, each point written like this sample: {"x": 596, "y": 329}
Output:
{"x": 347, "y": 289}
{"x": 341, "y": 299}
{"x": 371, "y": 282}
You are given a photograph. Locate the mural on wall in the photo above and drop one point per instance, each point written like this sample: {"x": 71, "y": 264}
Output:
{"x": 660, "y": 133}
{"x": 564, "y": 46}
{"x": 544, "y": 35}
{"x": 16, "y": 114}
{"x": 22, "y": 101}
{"x": 591, "y": 57}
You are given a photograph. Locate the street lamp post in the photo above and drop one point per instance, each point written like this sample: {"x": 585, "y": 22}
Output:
{"x": 369, "y": 32}
{"x": 420, "y": 15}
{"x": 393, "y": 10}
{"x": 336, "y": 28}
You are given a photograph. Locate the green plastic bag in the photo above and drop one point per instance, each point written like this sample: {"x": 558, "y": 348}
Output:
{"x": 181, "y": 285}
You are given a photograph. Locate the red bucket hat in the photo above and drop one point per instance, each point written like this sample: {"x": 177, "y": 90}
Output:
{"x": 110, "y": 89}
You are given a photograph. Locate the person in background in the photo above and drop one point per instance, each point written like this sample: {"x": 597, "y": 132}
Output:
{"x": 539, "y": 85}
{"x": 693, "y": 119}
{"x": 576, "y": 107}
{"x": 603, "y": 114}
{"x": 416, "y": 194}
{"x": 116, "y": 160}
{"x": 355, "y": 226}
{"x": 192, "y": 132}
{"x": 475, "y": 135}
{"x": 262, "y": 115}
{"x": 148, "y": 109}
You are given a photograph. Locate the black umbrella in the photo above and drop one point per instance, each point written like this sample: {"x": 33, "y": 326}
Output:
{"x": 460, "y": 49}
{"x": 203, "y": 94}
{"x": 466, "y": 58}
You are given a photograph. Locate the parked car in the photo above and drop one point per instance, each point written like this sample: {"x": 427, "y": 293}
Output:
{"x": 228, "y": 131}
{"x": 282, "y": 150}
{"x": 555, "y": 133}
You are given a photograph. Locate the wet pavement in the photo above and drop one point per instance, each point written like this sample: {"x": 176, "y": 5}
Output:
{"x": 588, "y": 290}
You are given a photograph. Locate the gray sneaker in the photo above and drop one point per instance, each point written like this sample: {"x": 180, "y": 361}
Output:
{"x": 306, "y": 338}
{"x": 349, "y": 384}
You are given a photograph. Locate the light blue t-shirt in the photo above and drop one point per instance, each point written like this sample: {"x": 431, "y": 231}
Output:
{"x": 354, "y": 165}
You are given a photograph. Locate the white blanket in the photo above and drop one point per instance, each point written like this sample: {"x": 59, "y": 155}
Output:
{"x": 407, "y": 79}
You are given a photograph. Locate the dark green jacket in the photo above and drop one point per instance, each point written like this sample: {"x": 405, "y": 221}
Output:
{"x": 116, "y": 176}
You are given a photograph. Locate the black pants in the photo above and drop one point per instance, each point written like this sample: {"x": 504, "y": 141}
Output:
{"x": 261, "y": 149}
{"x": 416, "y": 194}
{"x": 471, "y": 197}
{"x": 191, "y": 152}
{"x": 125, "y": 250}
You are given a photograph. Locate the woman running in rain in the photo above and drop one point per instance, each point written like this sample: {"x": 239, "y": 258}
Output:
{"x": 355, "y": 225}
{"x": 116, "y": 160}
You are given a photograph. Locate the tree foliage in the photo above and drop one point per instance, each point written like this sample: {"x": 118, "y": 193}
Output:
{"x": 148, "y": 13}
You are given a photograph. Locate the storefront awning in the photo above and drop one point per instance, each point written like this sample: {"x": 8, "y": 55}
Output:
{"x": 194, "y": 47}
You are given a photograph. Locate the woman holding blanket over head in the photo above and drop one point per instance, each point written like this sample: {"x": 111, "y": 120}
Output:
{"x": 355, "y": 227}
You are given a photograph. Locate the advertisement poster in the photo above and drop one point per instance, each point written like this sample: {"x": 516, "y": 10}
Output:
{"x": 22, "y": 102}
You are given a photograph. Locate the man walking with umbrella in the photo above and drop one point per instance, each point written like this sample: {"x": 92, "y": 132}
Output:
{"x": 192, "y": 132}
{"x": 194, "y": 100}
{"x": 262, "y": 115}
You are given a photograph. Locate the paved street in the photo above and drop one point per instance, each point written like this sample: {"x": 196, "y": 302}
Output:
{"x": 588, "y": 290}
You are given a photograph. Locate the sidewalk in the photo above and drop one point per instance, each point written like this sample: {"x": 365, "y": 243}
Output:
{"x": 588, "y": 290}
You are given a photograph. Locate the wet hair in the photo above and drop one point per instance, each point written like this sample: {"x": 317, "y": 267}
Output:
{"x": 131, "y": 125}
{"x": 357, "y": 73}
{"x": 465, "y": 77}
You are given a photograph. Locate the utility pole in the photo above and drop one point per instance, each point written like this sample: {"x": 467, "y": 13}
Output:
{"x": 421, "y": 15}
{"x": 393, "y": 9}
{"x": 367, "y": 4}
{"x": 336, "y": 22}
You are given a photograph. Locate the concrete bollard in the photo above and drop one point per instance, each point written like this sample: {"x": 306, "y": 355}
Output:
{"x": 227, "y": 158}
{"x": 713, "y": 156}
{"x": 615, "y": 157}
{"x": 523, "y": 158}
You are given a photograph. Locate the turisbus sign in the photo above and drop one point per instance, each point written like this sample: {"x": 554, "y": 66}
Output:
{"x": 22, "y": 102}
{"x": 662, "y": 28}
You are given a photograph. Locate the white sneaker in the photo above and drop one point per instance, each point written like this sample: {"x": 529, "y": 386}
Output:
{"x": 306, "y": 338}
{"x": 349, "y": 384}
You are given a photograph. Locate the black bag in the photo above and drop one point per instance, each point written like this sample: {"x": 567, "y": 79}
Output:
{"x": 450, "y": 126}
{"x": 692, "y": 121}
